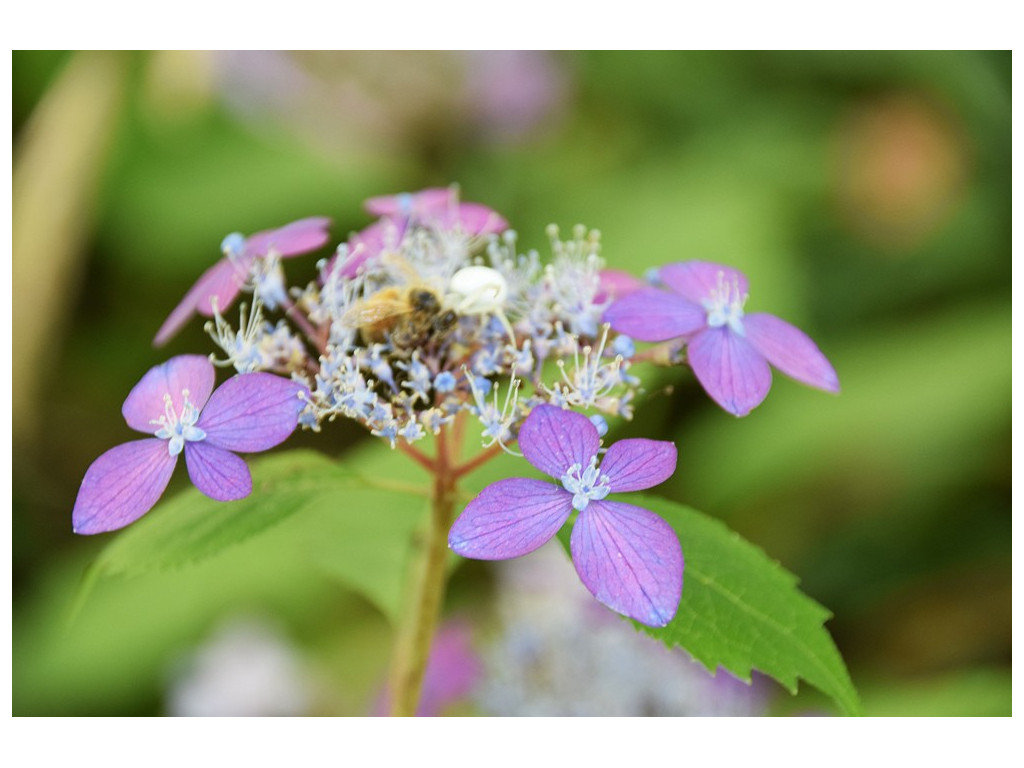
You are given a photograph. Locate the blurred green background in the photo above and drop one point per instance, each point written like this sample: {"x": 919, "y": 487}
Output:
{"x": 866, "y": 195}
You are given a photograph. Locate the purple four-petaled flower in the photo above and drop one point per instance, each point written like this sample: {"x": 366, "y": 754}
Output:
{"x": 249, "y": 412}
{"x": 729, "y": 350}
{"x": 627, "y": 556}
{"x": 220, "y": 284}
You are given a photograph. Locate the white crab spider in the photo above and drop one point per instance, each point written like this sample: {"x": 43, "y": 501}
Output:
{"x": 479, "y": 290}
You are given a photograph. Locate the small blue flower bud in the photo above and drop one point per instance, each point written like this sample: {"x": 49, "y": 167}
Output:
{"x": 445, "y": 382}
{"x": 623, "y": 345}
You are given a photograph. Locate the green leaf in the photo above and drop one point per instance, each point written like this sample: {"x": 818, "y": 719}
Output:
{"x": 190, "y": 527}
{"x": 364, "y": 538}
{"x": 741, "y": 610}
{"x": 352, "y": 528}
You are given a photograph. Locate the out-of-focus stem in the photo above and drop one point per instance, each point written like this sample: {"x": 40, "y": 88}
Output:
{"x": 58, "y": 167}
{"x": 665, "y": 354}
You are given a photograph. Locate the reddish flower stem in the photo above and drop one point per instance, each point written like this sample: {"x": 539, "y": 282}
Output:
{"x": 317, "y": 337}
{"x": 415, "y": 634}
{"x": 476, "y": 461}
{"x": 660, "y": 354}
{"x": 417, "y": 455}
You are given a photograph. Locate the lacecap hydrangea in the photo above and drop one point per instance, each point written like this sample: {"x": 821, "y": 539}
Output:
{"x": 430, "y": 320}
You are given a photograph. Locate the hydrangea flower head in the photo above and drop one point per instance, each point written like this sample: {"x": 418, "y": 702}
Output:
{"x": 173, "y": 403}
{"x": 627, "y": 556}
{"x": 221, "y": 283}
{"x": 728, "y": 349}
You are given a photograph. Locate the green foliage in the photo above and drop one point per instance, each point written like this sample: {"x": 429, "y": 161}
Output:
{"x": 742, "y": 611}
{"x": 739, "y": 609}
{"x": 352, "y": 529}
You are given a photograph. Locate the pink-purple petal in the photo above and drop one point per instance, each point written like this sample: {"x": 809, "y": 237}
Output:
{"x": 636, "y": 464}
{"x": 510, "y": 518}
{"x": 218, "y": 473}
{"x": 252, "y": 412}
{"x": 553, "y": 439}
{"x": 653, "y": 315}
{"x": 369, "y": 243}
{"x": 415, "y": 204}
{"x": 630, "y": 559}
{"x": 791, "y": 351}
{"x": 146, "y": 400}
{"x": 292, "y": 239}
{"x": 122, "y": 485}
{"x": 470, "y": 218}
{"x": 615, "y": 283}
{"x": 729, "y": 368}
{"x": 453, "y": 669}
{"x": 697, "y": 280}
{"x": 220, "y": 284}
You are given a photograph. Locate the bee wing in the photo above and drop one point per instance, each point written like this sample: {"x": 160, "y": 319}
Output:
{"x": 370, "y": 313}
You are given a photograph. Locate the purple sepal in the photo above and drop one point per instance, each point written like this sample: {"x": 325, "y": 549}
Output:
{"x": 414, "y": 204}
{"x": 630, "y": 560}
{"x": 453, "y": 670}
{"x": 553, "y": 440}
{"x": 146, "y": 400}
{"x": 732, "y": 372}
{"x": 791, "y": 351}
{"x": 653, "y": 315}
{"x": 439, "y": 207}
{"x": 221, "y": 283}
{"x": 216, "y": 472}
{"x": 292, "y": 239}
{"x": 697, "y": 280}
{"x": 369, "y": 243}
{"x": 122, "y": 485}
{"x": 510, "y": 518}
{"x": 615, "y": 283}
{"x": 636, "y": 464}
{"x": 252, "y": 412}
{"x": 470, "y": 218}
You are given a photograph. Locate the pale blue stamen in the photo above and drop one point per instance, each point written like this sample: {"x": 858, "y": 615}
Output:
{"x": 177, "y": 428}
{"x": 585, "y": 485}
{"x": 725, "y": 305}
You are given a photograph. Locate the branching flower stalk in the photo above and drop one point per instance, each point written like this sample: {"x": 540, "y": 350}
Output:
{"x": 431, "y": 322}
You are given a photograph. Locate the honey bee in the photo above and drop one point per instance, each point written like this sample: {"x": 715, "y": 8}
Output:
{"x": 408, "y": 316}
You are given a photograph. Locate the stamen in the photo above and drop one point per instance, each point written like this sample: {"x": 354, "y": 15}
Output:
{"x": 585, "y": 485}
{"x": 497, "y": 421}
{"x": 242, "y": 348}
{"x": 177, "y": 429}
{"x": 724, "y": 305}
